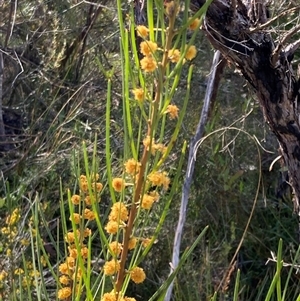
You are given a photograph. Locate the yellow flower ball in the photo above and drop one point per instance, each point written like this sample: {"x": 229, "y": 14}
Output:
{"x": 148, "y": 64}
{"x": 70, "y": 262}
{"x": 82, "y": 178}
{"x": 43, "y": 261}
{"x": 174, "y": 55}
{"x": 111, "y": 267}
{"x": 70, "y": 237}
{"x": 64, "y": 293}
{"x": 112, "y": 227}
{"x": 147, "y": 202}
{"x": 75, "y": 199}
{"x": 98, "y": 186}
{"x": 5, "y": 231}
{"x": 13, "y": 218}
{"x": 19, "y": 271}
{"x": 73, "y": 251}
{"x": 147, "y": 142}
{"x": 88, "y": 200}
{"x": 146, "y": 242}
{"x": 115, "y": 248}
{"x": 158, "y": 178}
{"x": 89, "y": 214}
{"x": 84, "y": 186}
{"x": 172, "y": 110}
{"x": 3, "y": 275}
{"x": 139, "y": 94}
{"x": 118, "y": 184}
{"x": 148, "y": 48}
{"x": 155, "y": 195}
{"x": 191, "y": 52}
{"x": 132, "y": 243}
{"x": 8, "y": 252}
{"x": 84, "y": 252}
{"x": 34, "y": 274}
{"x": 166, "y": 182}
{"x": 25, "y": 242}
{"x": 87, "y": 232}
{"x": 26, "y": 282}
{"x": 95, "y": 176}
{"x": 118, "y": 212}
{"x": 137, "y": 275}
{"x": 76, "y": 218}
{"x": 160, "y": 147}
{"x": 132, "y": 166}
{"x": 195, "y": 24}
{"x": 142, "y": 31}
{"x": 109, "y": 297}
{"x": 65, "y": 280}
{"x": 64, "y": 269}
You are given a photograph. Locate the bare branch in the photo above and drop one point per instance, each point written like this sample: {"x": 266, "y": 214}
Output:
{"x": 277, "y": 50}
{"x": 11, "y": 21}
{"x": 234, "y": 5}
{"x": 269, "y": 22}
{"x": 212, "y": 86}
{"x": 291, "y": 49}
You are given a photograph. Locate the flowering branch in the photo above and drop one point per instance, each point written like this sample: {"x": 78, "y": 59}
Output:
{"x": 171, "y": 9}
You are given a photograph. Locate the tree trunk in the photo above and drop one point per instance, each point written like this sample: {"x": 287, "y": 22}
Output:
{"x": 238, "y": 29}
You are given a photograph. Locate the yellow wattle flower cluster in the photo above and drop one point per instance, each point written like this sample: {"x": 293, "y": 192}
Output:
{"x": 137, "y": 275}
{"x": 173, "y": 111}
{"x": 195, "y": 24}
{"x": 95, "y": 186}
{"x": 12, "y": 219}
{"x": 174, "y": 55}
{"x": 135, "y": 173}
{"x": 118, "y": 215}
{"x": 154, "y": 147}
{"x": 117, "y": 219}
{"x": 147, "y": 201}
{"x": 77, "y": 248}
{"x": 132, "y": 167}
{"x": 147, "y": 48}
{"x": 139, "y": 94}
{"x": 111, "y": 267}
{"x": 158, "y": 178}
{"x": 14, "y": 240}
{"x": 191, "y": 52}
{"x": 148, "y": 64}
{"x": 112, "y": 296}
{"x": 142, "y": 31}
{"x": 118, "y": 212}
{"x": 118, "y": 184}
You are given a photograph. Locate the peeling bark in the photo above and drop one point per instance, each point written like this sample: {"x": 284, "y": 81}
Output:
{"x": 236, "y": 29}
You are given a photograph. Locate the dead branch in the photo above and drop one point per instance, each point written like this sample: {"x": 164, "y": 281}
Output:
{"x": 11, "y": 21}
{"x": 217, "y": 67}
{"x": 271, "y": 21}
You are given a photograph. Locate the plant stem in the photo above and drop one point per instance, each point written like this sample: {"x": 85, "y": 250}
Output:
{"x": 145, "y": 155}
{"x": 132, "y": 215}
